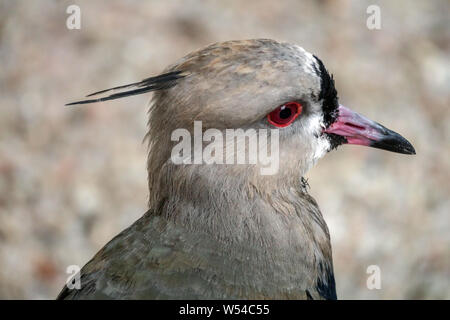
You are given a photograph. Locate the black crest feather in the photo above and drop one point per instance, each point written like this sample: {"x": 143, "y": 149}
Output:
{"x": 161, "y": 82}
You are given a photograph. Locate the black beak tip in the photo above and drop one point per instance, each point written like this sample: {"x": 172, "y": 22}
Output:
{"x": 395, "y": 143}
{"x": 407, "y": 148}
{"x": 411, "y": 149}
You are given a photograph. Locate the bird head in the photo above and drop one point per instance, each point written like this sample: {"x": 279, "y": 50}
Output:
{"x": 253, "y": 84}
{"x": 263, "y": 84}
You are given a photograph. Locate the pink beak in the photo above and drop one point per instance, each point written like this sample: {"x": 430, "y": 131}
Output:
{"x": 357, "y": 129}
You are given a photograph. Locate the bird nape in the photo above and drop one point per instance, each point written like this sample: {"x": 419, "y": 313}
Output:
{"x": 218, "y": 228}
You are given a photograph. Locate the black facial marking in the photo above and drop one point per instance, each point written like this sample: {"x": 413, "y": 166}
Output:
{"x": 330, "y": 104}
{"x": 328, "y": 94}
{"x": 335, "y": 140}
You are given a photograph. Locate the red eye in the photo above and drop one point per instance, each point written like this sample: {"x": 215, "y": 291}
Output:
{"x": 285, "y": 114}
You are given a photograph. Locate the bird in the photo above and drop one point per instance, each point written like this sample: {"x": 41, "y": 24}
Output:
{"x": 226, "y": 231}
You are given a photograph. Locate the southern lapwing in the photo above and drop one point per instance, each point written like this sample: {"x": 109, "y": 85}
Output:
{"x": 225, "y": 230}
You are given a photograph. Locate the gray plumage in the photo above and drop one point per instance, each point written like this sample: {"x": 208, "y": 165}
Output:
{"x": 226, "y": 231}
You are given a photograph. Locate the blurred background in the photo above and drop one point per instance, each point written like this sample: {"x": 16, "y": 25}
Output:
{"x": 71, "y": 178}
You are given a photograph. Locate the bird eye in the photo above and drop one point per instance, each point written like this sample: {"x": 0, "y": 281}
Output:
{"x": 285, "y": 114}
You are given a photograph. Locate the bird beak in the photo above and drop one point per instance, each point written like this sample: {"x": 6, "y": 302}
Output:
{"x": 357, "y": 129}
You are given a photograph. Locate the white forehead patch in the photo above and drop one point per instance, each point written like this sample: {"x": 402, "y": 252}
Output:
{"x": 309, "y": 62}
{"x": 309, "y": 65}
